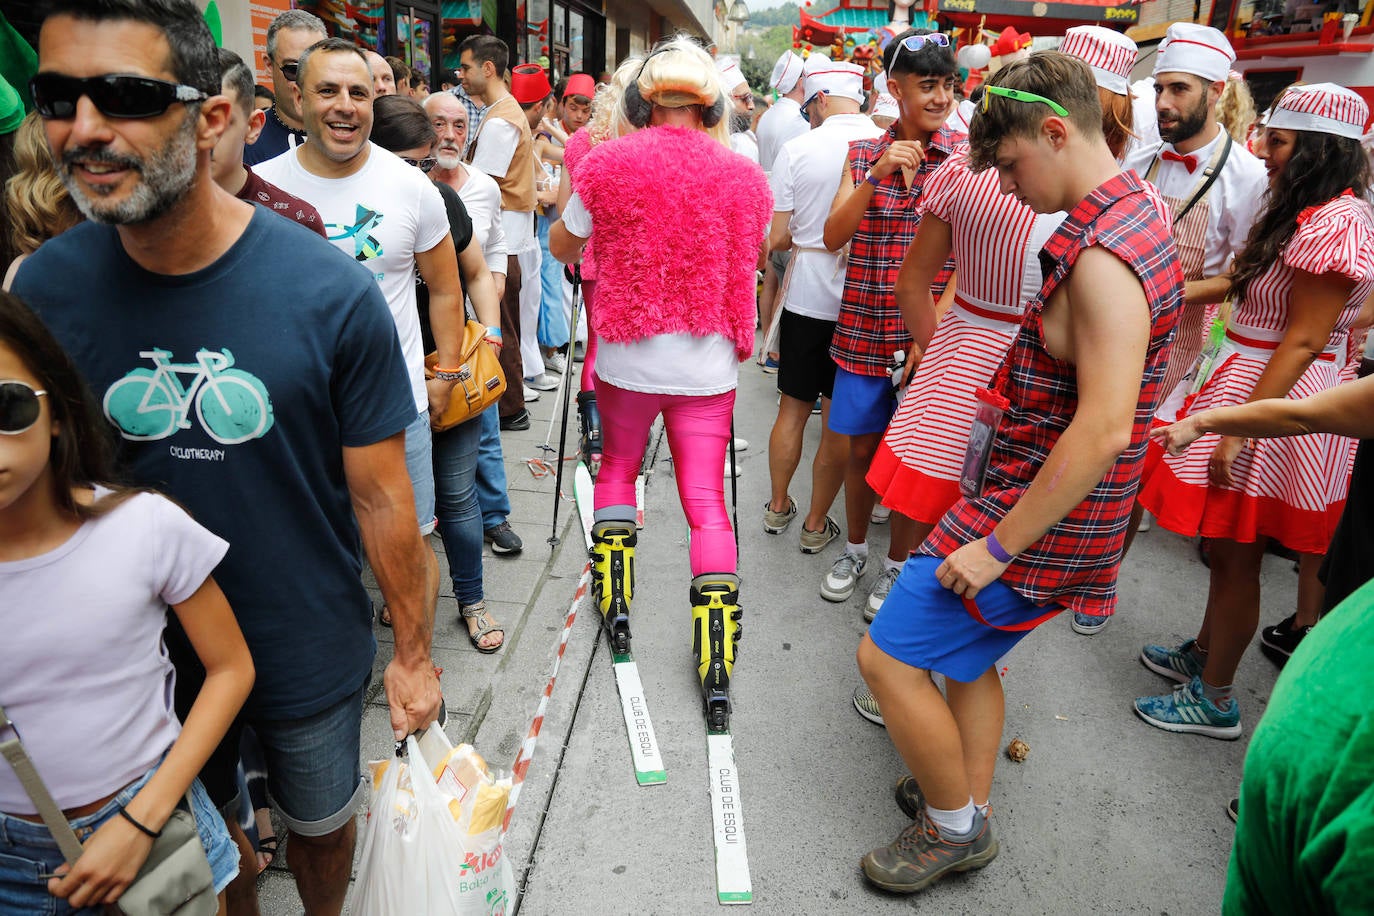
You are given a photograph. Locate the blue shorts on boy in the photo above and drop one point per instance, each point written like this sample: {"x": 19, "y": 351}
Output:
{"x": 861, "y": 404}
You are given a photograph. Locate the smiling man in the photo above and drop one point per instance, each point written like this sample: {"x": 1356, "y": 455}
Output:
{"x": 287, "y": 38}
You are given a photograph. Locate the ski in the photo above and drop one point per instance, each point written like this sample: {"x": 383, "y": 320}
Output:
{"x": 733, "y": 884}
{"x": 639, "y": 728}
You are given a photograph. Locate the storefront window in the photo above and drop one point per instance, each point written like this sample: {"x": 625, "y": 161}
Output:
{"x": 362, "y": 24}
{"x": 577, "y": 44}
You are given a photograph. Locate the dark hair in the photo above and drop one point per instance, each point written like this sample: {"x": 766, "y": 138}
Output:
{"x": 262, "y": 92}
{"x": 928, "y": 60}
{"x": 487, "y": 49}
{"x": 83, "y": 449}
{"x": 400, "y": 122}
{"x": 235, "y": 76}
{"x": 1321, "y": 168}
{"x": 330, "y": 46}
{"x": 195, "y": 60}
{"x": 400, "y": 72}
{"x": 1051, "y": 74}
{"x": 417, "y": 79}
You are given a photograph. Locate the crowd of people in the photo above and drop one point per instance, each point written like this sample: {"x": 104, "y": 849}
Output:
{"x": 1026, "y": 319}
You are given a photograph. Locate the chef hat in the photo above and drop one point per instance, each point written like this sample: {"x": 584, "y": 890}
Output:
{"x": 1110, "y": 54}
{"x": 886, "y": 107}
{"x": 730, "y": 73}
{"x": 838, "y": 77}
{"x": 880, "y": 83}
{"x": 1321, "y": 107}
{"x": 1197, "y": 49}
{"x": 787, "y": 73}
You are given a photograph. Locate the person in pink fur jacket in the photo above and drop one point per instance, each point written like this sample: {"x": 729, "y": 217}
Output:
{"x": 674, "y": 317}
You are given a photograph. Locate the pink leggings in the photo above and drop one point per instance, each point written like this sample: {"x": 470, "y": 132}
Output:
{"x": 698, "y": 430}
{"x": 589, "y": 355}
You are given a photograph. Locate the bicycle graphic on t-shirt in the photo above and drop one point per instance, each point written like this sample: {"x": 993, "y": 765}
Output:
{"x": 147, "y": 404}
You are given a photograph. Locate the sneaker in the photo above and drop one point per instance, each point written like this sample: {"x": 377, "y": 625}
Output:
{"x": 920, "y": 856}
{"x": 770, "y": 366}
{"x": 879, "y": 593}
{"x": 530, "y": 394}
{"x": 777, "y": 522}
{"x": 517, "y": 421}
{"x": 579, "y": 352}
{"x": 910, "y": 798}
{"x": 1087, "y": 624}
{"x": 843, "y": 576}
{"x": 1233, "y": 809}
{"x": 1146, "y": 522}
{"x": 556, "y": 363}
{"x": 503, "y": 541}
{"x": 1279, "y": 641}
{"x": 1186, "y": 709}
{"x": 880, "y": 514}
{"x": 741, "y": 445}
{"x": 1175, "y": 664}
{"x": 867, "y": 705}
{"x": 542, "y": 382}
{"x": 816, "y": 541}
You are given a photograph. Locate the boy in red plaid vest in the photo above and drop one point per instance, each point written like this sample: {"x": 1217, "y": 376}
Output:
{"x": 876, "y": 212}
{"x": 1046, "y": 530}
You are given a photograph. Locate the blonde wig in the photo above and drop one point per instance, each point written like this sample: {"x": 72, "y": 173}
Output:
{"x": 678, "y": 73}
{"x": 608, "y": 118}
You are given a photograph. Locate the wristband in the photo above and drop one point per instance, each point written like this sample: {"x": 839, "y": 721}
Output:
{"x": 872, "y": 179}
{"x": 493, "y": 332}
{"x": 999, "y": 553}
{"x": 141, "y": 829}
{"x": 452, "y": 375}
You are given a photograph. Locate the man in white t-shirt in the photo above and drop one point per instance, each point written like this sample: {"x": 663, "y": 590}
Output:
{"x": 388, "y": 216}
{"x": 805, "y": 177}
{"x": 784, "y": 120}
{"x": 740, "y": 106}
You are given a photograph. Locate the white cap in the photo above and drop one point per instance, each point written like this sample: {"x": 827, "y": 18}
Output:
{"x": 1322, "y": 108}
{"x": 1197, "y": 49}
{"x": 787, "y": 73}
{"x": 1110, "y": 54}
{"x": 886, "y": 107}
{"x": 730, "y": 73}
{"x": 880, "y": 83}
{"x": 838, "y": 77}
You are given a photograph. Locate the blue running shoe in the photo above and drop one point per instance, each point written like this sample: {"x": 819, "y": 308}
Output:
{"x": 1188, "y": 710}
{"x": 1175, "y": 664}
{"x": 1088, "y": 624}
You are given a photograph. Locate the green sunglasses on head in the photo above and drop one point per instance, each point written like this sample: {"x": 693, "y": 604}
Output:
{"x": 1020, "y": 95}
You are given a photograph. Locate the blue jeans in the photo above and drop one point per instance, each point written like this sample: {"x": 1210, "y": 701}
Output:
{"x": 553, "y": 318}
{"x": 29, "y": 854}
{"x": 460, "y": 517}
{"x": 491, "y": 473}
{"x": 420, "y": 467}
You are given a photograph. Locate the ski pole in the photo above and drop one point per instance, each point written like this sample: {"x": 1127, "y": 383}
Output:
{"x": 567, "y": 388}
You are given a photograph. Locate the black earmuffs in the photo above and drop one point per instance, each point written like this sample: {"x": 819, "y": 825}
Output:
{"x": 638, "y": 110}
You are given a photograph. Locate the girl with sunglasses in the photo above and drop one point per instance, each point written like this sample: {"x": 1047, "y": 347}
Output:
{"x": 88, "y": 571}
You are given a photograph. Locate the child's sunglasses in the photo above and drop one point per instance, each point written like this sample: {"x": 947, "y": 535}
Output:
{"x": 115, "y": 95}
{"x": 1020, "y": 95}
{"x": 19, "y": 408}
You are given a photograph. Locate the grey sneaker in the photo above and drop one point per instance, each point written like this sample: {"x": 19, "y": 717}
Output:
{"x": 839, "y": 583}
{"x": 503, "y": 540}
{"x": 1175, "y": 664}
{"x": 816, "y": 541}
{"x": 879, "y": 593}
{"x": 920, "y": 856}
{"x": 777, "y": 522}
{"x": 880, "y": 514}
{"x": 867, "y": 705}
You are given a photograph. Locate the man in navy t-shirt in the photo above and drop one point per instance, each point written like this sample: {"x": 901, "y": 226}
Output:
{"x": 254, "y": 374}
{"x": 287, "y": 38}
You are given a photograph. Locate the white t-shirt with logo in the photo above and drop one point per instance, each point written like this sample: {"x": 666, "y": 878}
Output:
{"x": 380, "y": 216}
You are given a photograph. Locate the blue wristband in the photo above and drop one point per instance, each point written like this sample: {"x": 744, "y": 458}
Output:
{"x": 999, "y": 553}
{"x": 494, "y": 332}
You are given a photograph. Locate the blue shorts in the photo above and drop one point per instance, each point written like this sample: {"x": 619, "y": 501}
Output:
{"x": 925, "y": 625}
{"x": 861, "y": 404}
{"x": 420, "y": 467}
{"x": 313, "y": 773}
{"x": 29, "y": 854}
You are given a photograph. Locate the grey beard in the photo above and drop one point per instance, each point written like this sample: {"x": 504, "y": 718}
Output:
{"x": 166, "y": 177}
{"x": 739, "y": 123}
{"x": 448, "y": 160}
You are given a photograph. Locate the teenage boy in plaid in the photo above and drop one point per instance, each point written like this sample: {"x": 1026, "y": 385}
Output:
{"x": 1082, "y": 380}
{"x": 876, "y": 212}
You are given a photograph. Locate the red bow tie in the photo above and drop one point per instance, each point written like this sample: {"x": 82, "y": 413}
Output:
{"x": 1189, "y": 161}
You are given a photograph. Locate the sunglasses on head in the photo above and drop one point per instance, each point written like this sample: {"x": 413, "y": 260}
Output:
{"x": 424, "y": 165}
{"x": 114, "y": 95}
{"x": 1020, "y": 95}
{"x": 916, "y": 42}
{"x": 18, "y": 406}
{"x": 289, "y": 70}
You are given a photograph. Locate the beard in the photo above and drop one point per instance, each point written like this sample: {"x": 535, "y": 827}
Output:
{"x": 1190, "y": 123}
{"x": 739, "y": 123}
{"x": 166, "y": 177}
{"x": 448, "y": 157}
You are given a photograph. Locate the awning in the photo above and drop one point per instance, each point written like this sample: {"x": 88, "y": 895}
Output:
{"x": 1035, "y": 16}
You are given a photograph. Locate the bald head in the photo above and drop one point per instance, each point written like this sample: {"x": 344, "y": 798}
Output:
{"x": 383, "y": 80}
{"x": 450, "y": 119}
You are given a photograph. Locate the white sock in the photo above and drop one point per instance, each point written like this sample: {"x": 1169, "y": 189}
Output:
{"x": 954, "y": 824}
{"x": 857, "y": 550}
{"x": 985, "y": 808}
{"x": 889, "y": 563}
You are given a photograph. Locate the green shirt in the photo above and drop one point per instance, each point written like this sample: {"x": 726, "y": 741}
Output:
{"x": 1305, "y": 839}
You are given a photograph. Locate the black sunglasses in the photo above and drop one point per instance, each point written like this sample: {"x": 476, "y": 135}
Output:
{"x": 423, "y": 165}
{"x": 289, "y": 70}
{"x": 115, "y": 95}
{"x": 18, "y": 406}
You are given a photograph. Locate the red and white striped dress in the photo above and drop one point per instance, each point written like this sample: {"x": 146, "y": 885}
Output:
{"x": 1291, "y": 489}
{"x": 996, "y": 242}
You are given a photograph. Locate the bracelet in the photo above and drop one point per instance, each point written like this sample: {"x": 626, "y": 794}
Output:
{"x": 141, "y": 829}
{"x": 493, "y": 332}
{"x": 872, "y": 179}
{"x": 452, "y": 375}
{"x": 999, "y": 553}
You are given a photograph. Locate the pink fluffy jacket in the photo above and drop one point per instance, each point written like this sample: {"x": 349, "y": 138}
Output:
{"x": 577, "y": 147}
{"x": 678, "y": 220}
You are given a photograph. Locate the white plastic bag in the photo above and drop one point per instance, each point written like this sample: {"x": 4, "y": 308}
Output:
{"x": 419, "y": 855}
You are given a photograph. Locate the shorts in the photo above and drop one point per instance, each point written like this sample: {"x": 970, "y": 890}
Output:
{"x": 861, "y": 404}
{"x": 925, "y": 625}
{"x": 29, "y": 854}
{"x": 805, "y": 369}
{"x": 420, "y": 467}
{"x": 779, "y": 260}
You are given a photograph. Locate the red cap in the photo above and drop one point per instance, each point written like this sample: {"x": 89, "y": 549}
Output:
{"x": 529, "y": 84}
{"x": 580, "y": 84}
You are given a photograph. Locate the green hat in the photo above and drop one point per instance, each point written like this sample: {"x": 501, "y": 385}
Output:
{"x": 11, "y": 107}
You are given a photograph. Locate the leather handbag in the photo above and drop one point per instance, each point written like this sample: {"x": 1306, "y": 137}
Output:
{"x": 481, "y": 383}
{"x": 175, "y": 879}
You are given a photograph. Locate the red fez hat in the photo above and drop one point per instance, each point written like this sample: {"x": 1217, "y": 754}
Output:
{"x": 529, "y": 84}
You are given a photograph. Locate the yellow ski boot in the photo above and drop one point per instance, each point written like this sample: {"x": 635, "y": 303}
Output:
{"x": 613, "y": 576}
{"x": 716, "y": 628}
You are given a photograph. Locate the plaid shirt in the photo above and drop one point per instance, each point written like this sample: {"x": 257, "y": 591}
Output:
{"x": 1075, "y": 563}
{"x": 870, "y": 328}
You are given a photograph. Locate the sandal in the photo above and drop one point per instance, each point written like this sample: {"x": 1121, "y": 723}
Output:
{"x": 485, "y": 626}
{"x": 384, "y": 616}
{"x": 267, "y": 852}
